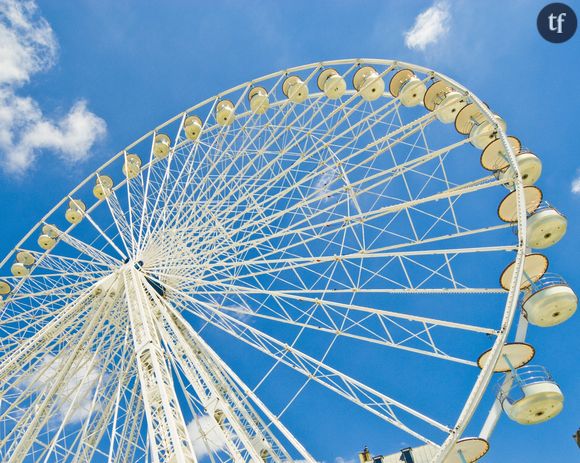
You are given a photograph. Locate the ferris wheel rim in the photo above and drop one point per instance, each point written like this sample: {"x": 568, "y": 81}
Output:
{"x": 511, "y": 301}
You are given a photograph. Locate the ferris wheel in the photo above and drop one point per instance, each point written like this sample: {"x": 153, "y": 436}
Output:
{"x": 355, "y": 232}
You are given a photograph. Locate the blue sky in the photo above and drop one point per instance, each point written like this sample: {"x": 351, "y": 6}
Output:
{"x": 111, "y": 70}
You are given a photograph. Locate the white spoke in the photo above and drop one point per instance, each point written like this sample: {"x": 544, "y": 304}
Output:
{"x": 315, "y": 230}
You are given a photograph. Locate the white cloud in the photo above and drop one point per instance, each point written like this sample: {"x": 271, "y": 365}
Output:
{"x": 322, "y": 185}
{"x": 75, "y": 395}
{"x": 28, "y": 46}
{"x": 576, "y": 185}
{"x": 206, "y": 436}
{"x": 430, "y": 26}
{"x": 244, "y": 314}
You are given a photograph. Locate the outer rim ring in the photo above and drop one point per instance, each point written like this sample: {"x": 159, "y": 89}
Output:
{"x": 487, "y": 371}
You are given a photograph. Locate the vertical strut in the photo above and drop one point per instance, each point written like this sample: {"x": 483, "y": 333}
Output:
{"x": 217, "y": 388}
{"x": 167, "y": 434}
{"x": 239, "y": 425}
{"x": 235, "y": 441}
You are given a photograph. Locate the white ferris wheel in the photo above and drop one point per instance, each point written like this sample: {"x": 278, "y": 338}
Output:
{"x": 358, "y": 232}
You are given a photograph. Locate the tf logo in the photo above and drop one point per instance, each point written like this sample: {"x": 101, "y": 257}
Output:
{"x": 557, "y": 22}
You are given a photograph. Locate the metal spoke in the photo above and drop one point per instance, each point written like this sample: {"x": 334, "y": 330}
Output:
{"x": 296, "y": 231}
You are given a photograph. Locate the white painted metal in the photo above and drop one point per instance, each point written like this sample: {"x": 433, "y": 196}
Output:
{"x": 173, "y": 234}
{"x": 546, "y": 227}
{"x": 167, "y": 431}
{"x": 534, "y": 397}
{"x": 219, "y": 392}
{"x": 550, "y": 303}
{"x": 541, "y": 402}
{"x": 237, "y": 386}
{"x": 530, "y": 168}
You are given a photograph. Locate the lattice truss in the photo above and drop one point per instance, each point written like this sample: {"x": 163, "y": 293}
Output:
{"x": 315, "y": 225}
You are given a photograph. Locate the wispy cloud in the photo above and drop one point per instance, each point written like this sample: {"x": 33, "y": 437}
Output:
{"x": 28, "y": 46}
{"x": 430, "y": 26}
{"x": 75, "y": 395}
{"x": 240, "y": 312}
{"x": 322, "y": 185}
{"x": 206, "y": 436}
{"x": 576, "y": 185}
